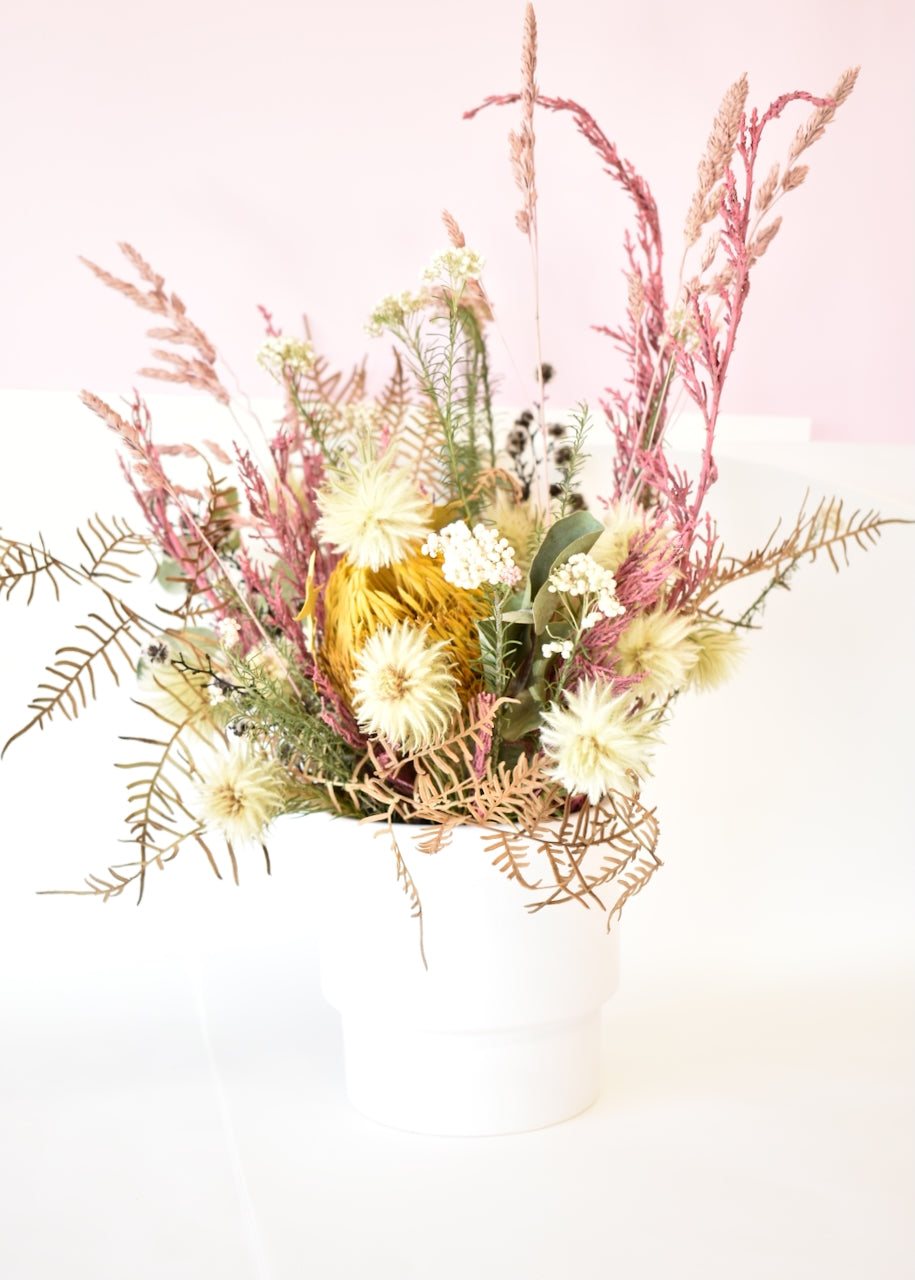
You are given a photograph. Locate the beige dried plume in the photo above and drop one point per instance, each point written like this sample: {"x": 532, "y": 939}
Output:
{"x": 522, "y": 143}
{"x": 718, "y": 152}
{"x": 196, "y": 370}
{"x": 814, "y": 126}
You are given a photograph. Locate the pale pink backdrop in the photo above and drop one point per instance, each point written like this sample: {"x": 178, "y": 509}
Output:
{"x": 298, "y": 155}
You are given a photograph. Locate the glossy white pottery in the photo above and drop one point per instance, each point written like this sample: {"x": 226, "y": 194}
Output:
{"x": 501, "y": 1032}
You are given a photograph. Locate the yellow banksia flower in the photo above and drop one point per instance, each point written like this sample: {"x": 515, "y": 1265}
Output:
{"x": 358, "y": 601}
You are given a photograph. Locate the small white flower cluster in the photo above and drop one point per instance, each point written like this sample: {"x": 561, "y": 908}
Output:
{"x": 215, "y": 693}
{"x": 583, "y": 576}
{"x": 471, "y": 558}
{"x": 562, "y": 647}
{"x": 228, "y": 631}
{"x": 282, "y": 352}
{"x": 361, "y": 417}
{"x": 394, "y": 309}
{"x": 455, "y": 267}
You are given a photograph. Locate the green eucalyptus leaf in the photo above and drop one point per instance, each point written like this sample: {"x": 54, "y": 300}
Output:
{"x": 519, "y": 615}
{"x": 170, "y": 576}
{"x": 523, "y": 717}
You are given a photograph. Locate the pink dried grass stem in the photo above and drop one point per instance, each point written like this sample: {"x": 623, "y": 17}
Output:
{"x": 642, "y": 340}
{"x": 703, "y": 353}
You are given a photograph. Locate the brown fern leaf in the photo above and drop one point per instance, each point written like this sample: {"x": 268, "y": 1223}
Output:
{"x": 73, "y": 675}
{"x": 109, "y": 547}
{"x": 827, "y": 530}
{"x": 633, "y": 882}
{"x": 117, "y": 882}
{"x": 21, "y": 562}
{"x": 412, "y": 895}
{"x": 331, "y": 386}
{"x": 156, "y": 810}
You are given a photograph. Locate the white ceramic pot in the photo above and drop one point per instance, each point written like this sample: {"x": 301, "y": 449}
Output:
{"x": 501, "y": 1032}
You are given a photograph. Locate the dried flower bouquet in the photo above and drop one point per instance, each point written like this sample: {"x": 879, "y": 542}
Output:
{"x": 391, "y": 609}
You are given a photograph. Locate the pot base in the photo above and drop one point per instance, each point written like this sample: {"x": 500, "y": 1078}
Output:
{"x": 472, "y": 1083}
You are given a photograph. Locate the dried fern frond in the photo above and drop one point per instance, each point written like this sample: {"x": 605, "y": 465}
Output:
{"x": 110, "y": 549}
{"x": 589, "y": 848}
{"x": 98, "y": 886}
{"x": 827, "y": 530}
{"x": 327, "y": 386}
{"x": 156, "y": 809}
{"x": 405, "y": 879}
{"x": 22, "y": 562}
{"x": 73, "y": 674}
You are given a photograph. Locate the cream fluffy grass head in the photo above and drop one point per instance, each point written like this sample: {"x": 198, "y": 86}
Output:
{"x": 657, "y": 646}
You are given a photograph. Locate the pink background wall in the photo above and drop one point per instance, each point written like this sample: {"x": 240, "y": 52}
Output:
{"x": 298, "y": 155}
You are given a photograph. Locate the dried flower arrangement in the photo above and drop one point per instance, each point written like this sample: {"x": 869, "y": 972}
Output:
{"x": 389, "y": 610}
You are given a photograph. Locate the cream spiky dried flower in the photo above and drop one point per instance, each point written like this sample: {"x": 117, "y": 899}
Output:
{"x": 657, "y": 646}
{"x": 373, "y": 513}
{"x": 404, "y": 687}
{"x": 596, "y": 743}
{"x": 239, "y": 794}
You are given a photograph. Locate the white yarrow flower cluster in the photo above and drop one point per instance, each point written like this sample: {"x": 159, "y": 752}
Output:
{"x": 360, "y": 417}
{"x": 473, "y": 557}
{"x": 394, "y": 309}
{"x": 583, "y": 576}
{"x": 563, "y": 647}
{"x": 455, "y": 267}
{"x": 228, "y": 631}
{"x": 284, "y": 352}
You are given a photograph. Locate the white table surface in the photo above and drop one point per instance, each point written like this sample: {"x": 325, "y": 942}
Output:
{"x": 171, "y": 1100}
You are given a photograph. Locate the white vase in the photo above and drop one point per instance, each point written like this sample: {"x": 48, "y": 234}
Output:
{"x": 499, "y": 1031}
